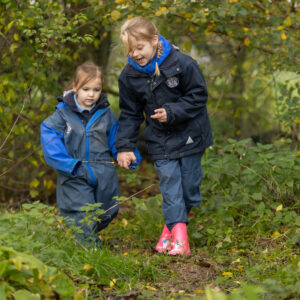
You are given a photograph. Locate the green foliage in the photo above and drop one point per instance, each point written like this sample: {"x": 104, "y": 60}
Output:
{"x": 245, "y": 234}
{"x": 288, "y": 106}
{"x": 249, "y": 189}
{"x": 23, "y": 276}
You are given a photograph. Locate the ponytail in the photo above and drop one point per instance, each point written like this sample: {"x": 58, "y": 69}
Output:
{"x": 159, "y": 53}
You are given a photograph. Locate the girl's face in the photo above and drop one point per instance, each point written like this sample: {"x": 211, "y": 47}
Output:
{"x": 89, "y": 93}
{"x": 142, "y": 51}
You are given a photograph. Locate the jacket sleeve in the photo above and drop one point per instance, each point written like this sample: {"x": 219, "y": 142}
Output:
{"x": 55, "y": 152}
{"x": 130, "y": 119}
{"x": 194, "y": 99}
{"x": 112, "y": 141}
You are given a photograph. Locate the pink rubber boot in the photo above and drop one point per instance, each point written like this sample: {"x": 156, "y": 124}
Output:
{"x": 164, "y": 243}
{"x": 180, "y": 243}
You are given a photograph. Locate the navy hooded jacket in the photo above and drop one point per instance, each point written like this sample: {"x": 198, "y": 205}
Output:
{"x": 181, "y": 90}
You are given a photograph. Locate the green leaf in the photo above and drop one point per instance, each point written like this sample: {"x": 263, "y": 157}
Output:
{"x": 25, "y": 295}
{"x": 2, "y": 292}
{"x": 257, "y": 196}
{"x": 63, "y": 285}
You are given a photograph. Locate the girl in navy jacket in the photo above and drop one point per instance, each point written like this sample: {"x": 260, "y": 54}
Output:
{"x": 78, "y": 141}
{"x": 167, "y": 88}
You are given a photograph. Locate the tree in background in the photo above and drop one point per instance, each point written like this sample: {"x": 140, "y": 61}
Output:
{"x": 245, "y": 49}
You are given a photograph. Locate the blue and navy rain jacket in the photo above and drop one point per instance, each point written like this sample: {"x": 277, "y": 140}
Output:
{"x": 69, "y": 138}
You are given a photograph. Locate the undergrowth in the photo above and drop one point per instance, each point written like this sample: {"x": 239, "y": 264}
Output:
{"x": 244, "y": 237}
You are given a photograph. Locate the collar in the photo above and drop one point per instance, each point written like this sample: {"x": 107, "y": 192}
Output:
{"x": 69, "y": 99}
{"x": 80, "y": 108}
{"x": 150, "y": 67}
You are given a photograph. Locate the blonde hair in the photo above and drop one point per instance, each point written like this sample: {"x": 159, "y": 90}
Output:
{"x": 84, "y": 73}
{"x": 140, "y": 29}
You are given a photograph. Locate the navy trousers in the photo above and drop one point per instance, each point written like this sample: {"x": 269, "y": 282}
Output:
{"x": 73, "y": 193}
{"x": 179, "y": 181}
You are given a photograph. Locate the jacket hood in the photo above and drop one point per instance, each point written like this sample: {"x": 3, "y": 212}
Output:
{"x": 68, "y": 99}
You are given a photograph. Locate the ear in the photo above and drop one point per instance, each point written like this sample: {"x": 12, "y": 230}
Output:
{"x": 155, "y": 41}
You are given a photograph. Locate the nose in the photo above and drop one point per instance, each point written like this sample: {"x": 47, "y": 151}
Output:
{"x": 91, "y": 93}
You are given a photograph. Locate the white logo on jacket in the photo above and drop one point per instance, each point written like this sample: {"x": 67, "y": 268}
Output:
{"x": 189, "y": 141}
{"x": 69, "y": 128}
{"x": 172, "y": 82}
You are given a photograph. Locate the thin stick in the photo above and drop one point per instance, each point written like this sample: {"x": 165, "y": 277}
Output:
{"x": 24, "y": 100}
{"x": 131, "y": 196}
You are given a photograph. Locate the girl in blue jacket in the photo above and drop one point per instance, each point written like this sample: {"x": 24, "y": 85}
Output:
{"x": 167, "y": 88}
{"x": 78, "y": 141}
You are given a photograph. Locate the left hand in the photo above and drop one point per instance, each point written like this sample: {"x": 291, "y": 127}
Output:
{"x": 160, "y": 115}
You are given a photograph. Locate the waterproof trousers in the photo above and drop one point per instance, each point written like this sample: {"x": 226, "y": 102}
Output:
{"x": 179, "y": 181}
{"x": 94, "y": 184}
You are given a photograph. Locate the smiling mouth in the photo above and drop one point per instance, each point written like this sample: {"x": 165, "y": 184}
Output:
{"x": 139, "y": 59}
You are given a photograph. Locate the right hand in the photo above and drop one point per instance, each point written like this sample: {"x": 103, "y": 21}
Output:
{"x": 124, "y": 159}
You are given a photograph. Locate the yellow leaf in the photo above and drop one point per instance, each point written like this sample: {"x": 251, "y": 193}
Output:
{"x": 34, "y": 183}
{"x": 75, "y": 56}
{"x": 13, "y": 47}
{"x": 16, "y": 37}
{"x": 28, "y": 145}
{"x": 199, "y": 292}
{"x": 247, "y": 42}
{"x": 276, "y": 234}
{"x": 283, "y": 36}
{"x": 280, "y": 27}
{"x": 112, "y": 283}
{"x": 297, "y": 120}
{"x": 34, "y": 162}
{"x": 124, "y": 222}
{"x": 298, "y": 153}
{"x": 236, "y": 261}
{"x": 33, "y": 193}
{"x": 245, "y": 29}
{"x": 287, "y": 22}
{"x": 279, "y": 207}
{"x": 125, "y": 253}
{"x": 115, "y": 15}
{"x": 87, "y": 267}
{"x": 151, "y": 288}
{"x": 229, "y": 274}
{"x": 146, "y": 4}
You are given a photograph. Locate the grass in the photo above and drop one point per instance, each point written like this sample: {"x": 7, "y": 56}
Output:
{"x": 244, "y": 237}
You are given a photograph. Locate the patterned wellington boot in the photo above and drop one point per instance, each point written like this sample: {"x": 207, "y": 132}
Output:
{"x": 180, "y": 244}
{"x": 164, "y": 243}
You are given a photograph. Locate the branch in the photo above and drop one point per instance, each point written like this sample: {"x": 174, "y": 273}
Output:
{"x": 24, "y": 99}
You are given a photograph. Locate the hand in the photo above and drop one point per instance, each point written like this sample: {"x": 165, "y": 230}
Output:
{"x": 124, "y": 159}
{"x": 160, "y": 115}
